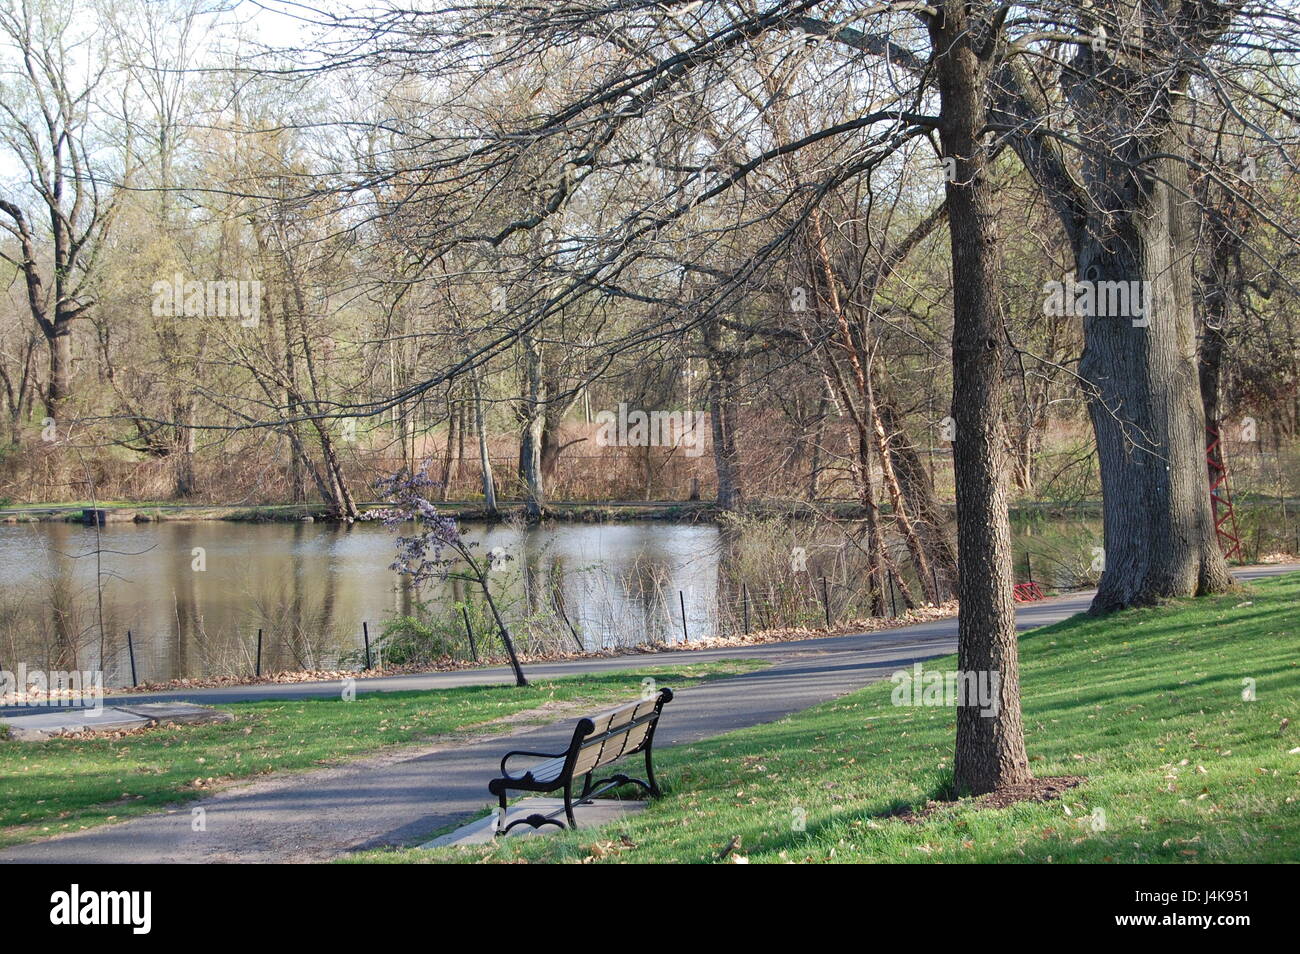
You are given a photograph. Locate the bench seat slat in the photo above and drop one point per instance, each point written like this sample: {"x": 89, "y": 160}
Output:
{"x": 548, "y": 771}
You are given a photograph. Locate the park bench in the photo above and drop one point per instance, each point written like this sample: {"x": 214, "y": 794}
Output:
{"x": 598, "y": 741}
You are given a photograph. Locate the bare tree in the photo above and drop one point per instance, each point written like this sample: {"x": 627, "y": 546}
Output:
{"x": 48, "y": 109}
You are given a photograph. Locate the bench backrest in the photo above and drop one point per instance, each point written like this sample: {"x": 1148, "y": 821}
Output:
{"x": 610, "y": 735}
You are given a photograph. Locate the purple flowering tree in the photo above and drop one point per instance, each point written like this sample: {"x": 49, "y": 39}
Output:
{"x": 436, "y": 550}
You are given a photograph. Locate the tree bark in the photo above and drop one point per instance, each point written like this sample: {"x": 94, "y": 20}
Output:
{"x": 60, "y": 383}
{"x": 990, "y": 748}
{"x": 1145, "y": 401}
{"x": 1127, "y": 223}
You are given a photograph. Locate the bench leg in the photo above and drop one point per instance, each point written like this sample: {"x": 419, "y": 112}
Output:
{"x": 533, "y": 821}
{"x": 653, "y": 787}
{"x": 498, "y": 823}
{"x": 568, "y": 804}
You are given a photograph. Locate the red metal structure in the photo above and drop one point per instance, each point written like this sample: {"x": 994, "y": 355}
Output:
{"x": 1225, "y": 520}
{"x": 1027, "y": 592}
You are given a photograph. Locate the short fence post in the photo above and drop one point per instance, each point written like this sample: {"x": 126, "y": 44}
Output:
{"x": 258, "y": 669}
{"x": 686, "y": 637}
{"x": 365, "y": 634}
{"x": 744, "y": 596}
{"x": 893, "y": 606}
{"x": 934, "y": 578}
{"x": 826, "y": 602}
{"x": 469, "y": 631}
{"x": 130, "y": 651}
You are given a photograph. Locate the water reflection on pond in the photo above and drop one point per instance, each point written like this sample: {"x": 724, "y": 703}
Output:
{"x": 194, "y": 594}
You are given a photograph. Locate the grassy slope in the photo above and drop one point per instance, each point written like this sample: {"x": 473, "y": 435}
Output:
{"x": 64, "y": 784}
{"x": 1147, "y": 704}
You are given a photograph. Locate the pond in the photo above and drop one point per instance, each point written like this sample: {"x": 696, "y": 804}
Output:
{"x": 194, "y": 594}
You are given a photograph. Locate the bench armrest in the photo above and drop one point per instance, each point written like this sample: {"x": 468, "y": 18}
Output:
{"x": 536, "y": 755}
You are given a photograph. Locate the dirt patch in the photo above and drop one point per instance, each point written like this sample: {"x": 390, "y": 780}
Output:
{"x": 1035, "y": 790}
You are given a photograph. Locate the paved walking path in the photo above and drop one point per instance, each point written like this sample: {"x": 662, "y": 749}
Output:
{"x": 401, "y": 797}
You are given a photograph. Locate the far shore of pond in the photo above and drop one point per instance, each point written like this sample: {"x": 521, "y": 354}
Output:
{"x": 673, "y": 511}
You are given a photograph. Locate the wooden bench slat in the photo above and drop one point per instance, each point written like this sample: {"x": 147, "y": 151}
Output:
{"x": 548, "y": 771}
{"x": 635, "y": 738}
{"x": 589, "y": 756}
{"x": 615, "y": 747}
{"x": 613, "y": 712}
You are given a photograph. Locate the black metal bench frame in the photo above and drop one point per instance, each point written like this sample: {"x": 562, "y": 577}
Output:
{"x": 584, "y": 737}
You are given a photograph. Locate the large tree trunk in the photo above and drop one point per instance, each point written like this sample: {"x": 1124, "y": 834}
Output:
{"x": 1145, "y": 400}
{"x": 1127, "y": 224}
{"x": 990, "y": 748}
{"x": 1130, "y": 225}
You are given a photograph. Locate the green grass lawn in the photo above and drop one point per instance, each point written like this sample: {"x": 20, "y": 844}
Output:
{"x": 65, "y": 784}
{"x": 1147, "y": 704}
